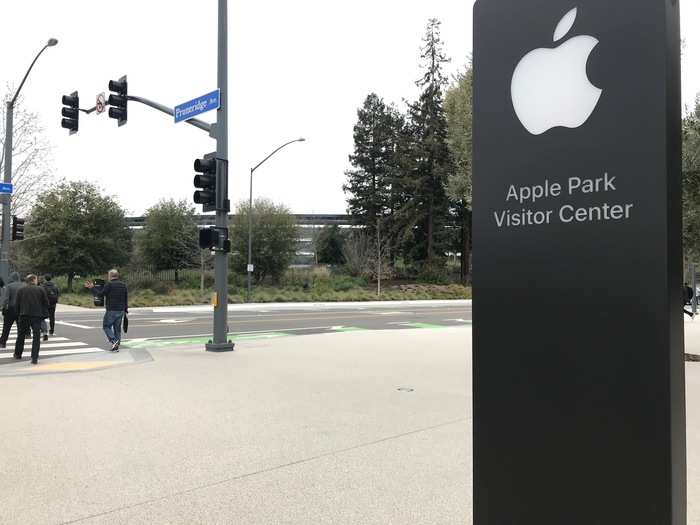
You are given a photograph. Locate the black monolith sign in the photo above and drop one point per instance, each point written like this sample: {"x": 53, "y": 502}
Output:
{"x": 579, "y": 405}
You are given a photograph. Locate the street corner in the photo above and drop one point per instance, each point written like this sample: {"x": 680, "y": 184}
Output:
{"x": 88, "y": 362}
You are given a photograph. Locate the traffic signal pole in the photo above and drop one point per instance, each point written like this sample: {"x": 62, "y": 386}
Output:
{"x": 219, "y": 132}
{"x": 5, "y": 248}
{"x": 220, "y": 341}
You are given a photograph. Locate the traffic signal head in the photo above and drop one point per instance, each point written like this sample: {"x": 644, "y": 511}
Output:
{"x": 205, "y": 181}
{"x": 70, "y": 112}
{"x": 17, "y": 228}
{"x": 208, "y": 238}
{"x": 118, "y": 100}
{"x": 214, "y": 238}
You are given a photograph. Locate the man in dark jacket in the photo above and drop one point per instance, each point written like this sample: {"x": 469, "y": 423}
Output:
{"x": 52, "y": 293}
{"x": 116, "y": 298}
{"x": 8, "y": 305}
{"x": 32, "y": 307}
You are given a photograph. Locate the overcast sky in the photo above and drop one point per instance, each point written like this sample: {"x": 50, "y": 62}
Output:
{"x": 296, "y": 69}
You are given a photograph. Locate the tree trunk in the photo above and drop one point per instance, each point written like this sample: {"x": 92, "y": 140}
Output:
{"x": 177, "y": 276}
{"x": 70, "y": 282}
{"x": 430, "y": 230}
{"x": 466, "y": 238}
{"x": 201, "y": 275}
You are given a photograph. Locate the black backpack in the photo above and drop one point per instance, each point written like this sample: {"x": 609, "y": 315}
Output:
{"x": 51, "y": 292}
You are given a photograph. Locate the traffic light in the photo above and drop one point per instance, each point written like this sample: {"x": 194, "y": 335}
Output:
{"x": 117, "y": 101}
{"x": 206, "y": 181}
{"x": 214, "y": 238}
{"x": 70, "y": 112}
{"x": 208, "y": 238}
{"x": 17, "y": 228}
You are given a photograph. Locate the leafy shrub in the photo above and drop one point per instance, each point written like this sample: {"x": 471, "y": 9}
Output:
{"x": 433, "y": 272}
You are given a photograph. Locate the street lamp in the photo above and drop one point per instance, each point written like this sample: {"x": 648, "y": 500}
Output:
{"x": 5, "y": 248}
{"x": 249, "y": 269}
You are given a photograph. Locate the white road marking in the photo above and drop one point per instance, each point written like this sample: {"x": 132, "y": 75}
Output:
{"x": 57, "y": 345}
{"x": 27, "y": 352}
{"x": 173, "y": 321}
{"x": 74, "y": 325}
{"x": 29, "y": 340}
{"x": 459, "y": 320}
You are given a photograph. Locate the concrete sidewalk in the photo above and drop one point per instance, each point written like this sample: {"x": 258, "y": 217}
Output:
{"x": 298, "y": 430}
{"x": 349, "y": 428}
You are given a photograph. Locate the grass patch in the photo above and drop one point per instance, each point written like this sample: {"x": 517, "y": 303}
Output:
{"x": 271, "y": 294}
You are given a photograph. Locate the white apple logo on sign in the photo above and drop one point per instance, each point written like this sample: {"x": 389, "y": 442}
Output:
{"x": 550, "y": 87}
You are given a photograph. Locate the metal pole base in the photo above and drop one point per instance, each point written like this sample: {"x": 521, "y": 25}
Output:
{"x": 219, "y": 347}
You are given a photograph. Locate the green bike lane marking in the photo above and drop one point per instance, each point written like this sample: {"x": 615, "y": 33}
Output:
{"x": 168, "y": 342}
{"x": 162, "y": 343}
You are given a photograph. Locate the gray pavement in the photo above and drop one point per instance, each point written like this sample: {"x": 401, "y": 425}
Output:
{"x": 363, "y": 427}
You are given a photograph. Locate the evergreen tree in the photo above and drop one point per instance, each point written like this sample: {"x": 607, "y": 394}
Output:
{"x": 73, "y": 228}
{"x": 691, "y": 183}
{"x": 169, "y": 239}
{"x": 329, "y": 245}
{"x": 458, "y": 106}
{"x": 427, "y": 163}
{"x": 274, "y": 239}
{"x": 369, "y": 183}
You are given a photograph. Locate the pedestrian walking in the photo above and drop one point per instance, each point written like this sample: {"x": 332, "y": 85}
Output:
{"x": 116, "y": 298}
{"x": 8, "y": 304}
{"x": 688, "y": 299}
{"x": 33, "y": 308}
{"x": 53, "y": 293}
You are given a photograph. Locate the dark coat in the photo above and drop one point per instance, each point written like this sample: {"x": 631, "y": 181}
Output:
{"x": 51, "y": 291}
{"x": 32, "y": 301}
{"x": 8, "y": 300}
{"x": 116, "y": 296}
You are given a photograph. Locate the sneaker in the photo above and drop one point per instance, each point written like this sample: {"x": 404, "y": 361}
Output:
{"x": 35, "y": 362}
{"x": 51, "y": 332}
{"x": 46, "y": 337}
{"x": 115, "y": 346}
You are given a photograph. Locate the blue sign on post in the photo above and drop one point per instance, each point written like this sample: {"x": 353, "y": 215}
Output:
{"x": 197, "y": 106}
{"x": 5, "y": 188}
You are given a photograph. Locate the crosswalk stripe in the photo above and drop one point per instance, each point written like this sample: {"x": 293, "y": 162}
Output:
{"x": 27, "y": 352}
{"x": 61, "y": 345}
{"x": 28, "y": 344}
{"x": 29, "y": 340}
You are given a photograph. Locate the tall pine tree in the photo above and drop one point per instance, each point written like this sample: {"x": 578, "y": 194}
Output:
{"x": 427, "y": 163}
{"x": 458, "y": 105}
{"x": 369, "y": 183}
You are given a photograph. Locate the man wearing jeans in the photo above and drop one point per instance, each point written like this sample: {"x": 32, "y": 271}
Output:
{"x": 116, "y": 298}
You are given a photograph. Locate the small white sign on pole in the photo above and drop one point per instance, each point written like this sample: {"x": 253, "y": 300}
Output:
{"x": 100, "y": 103}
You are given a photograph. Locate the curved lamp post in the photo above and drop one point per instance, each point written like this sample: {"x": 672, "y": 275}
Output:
{"x": 250, "y": 214}
{"x": 6, "y": 201}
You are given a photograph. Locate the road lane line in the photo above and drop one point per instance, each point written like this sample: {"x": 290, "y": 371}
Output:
{"x": 75, "y": 325}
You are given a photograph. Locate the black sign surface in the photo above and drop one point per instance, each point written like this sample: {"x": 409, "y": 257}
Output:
{"x": 579, "y": 411}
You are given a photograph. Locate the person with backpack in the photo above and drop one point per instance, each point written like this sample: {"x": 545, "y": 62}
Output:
{"x": 53, "y": 293}
{"x": 8, "y": 305}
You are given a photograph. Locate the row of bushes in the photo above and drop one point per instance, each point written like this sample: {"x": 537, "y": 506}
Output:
{"x": 175, "y": 297}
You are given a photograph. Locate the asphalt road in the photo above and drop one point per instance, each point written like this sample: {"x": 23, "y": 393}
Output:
{"x": 81, "y": 331}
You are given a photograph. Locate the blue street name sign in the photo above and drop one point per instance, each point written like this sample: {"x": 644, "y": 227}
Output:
{"x": 197, "y": 106}
{"x": 5, "y": 188}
